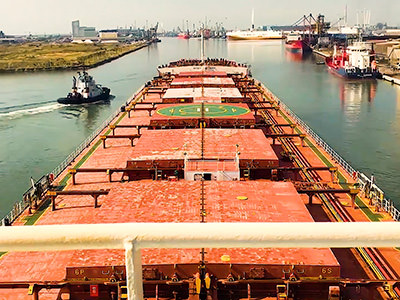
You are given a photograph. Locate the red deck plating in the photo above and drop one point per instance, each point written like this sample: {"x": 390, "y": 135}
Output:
{"x": 163, "y": 201}
{"x": 218, "y": 143}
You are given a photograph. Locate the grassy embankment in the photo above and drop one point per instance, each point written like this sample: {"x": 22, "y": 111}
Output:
{"x": 40, "y": 56}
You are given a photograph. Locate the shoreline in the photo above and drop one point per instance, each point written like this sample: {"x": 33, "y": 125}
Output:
{"x": 76, "y": 67}
{"x": 391, "y": 79}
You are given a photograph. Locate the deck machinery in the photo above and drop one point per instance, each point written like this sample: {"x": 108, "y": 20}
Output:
{"x": 202, "y": 142}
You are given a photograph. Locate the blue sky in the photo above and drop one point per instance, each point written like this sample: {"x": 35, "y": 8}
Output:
{"x": 54, "y": 16}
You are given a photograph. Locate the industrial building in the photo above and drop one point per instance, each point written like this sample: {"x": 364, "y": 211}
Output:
{"x": 82, "y": 31}
{"x": 108, "y": 35}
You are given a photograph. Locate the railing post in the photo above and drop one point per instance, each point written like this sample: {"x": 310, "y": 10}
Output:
{"x": 133, "y": 262}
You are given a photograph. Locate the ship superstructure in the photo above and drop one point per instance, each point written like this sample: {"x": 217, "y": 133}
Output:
{"x": 85, "y": 90}
{"x": 203, "y": 142}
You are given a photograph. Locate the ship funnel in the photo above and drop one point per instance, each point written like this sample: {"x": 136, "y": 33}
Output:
{"x": 202, "y": 45}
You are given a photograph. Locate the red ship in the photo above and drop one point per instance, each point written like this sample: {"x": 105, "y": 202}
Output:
{"x": 354, "y": 62}
{"x": 184, "y": 35}
{"x": 296, "y": 44}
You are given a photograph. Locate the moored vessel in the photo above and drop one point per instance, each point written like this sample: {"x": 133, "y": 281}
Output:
{"x": 85, "y": 90}
{"x": 202, "y": 142}
{"x": 357, "y": 61}
{"x": 253, "y": 34}
{"x": 184, "y": 35}
{"x": 296, "y": 43}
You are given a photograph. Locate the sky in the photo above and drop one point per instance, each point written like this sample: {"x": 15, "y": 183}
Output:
{"x": 55, "y": 16}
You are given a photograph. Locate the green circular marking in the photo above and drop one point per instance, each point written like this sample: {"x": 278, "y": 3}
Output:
{"x": 210, "y": 110}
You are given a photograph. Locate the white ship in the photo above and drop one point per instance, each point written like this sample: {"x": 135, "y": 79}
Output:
{"x": 254, "y": 34}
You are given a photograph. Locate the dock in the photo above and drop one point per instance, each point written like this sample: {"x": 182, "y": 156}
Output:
{"x": 391, "y": 79}
{"x": 321, "y": 53}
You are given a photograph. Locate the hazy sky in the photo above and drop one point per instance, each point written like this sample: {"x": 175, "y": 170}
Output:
{"x": 55, "y": 16}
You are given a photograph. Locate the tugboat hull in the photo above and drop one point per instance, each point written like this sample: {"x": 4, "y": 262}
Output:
{"x": 78, "y": 99}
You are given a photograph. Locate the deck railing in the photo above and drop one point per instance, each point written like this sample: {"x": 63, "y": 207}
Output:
{"x": 22, "y": 204}
{"x": 367, "y": 186}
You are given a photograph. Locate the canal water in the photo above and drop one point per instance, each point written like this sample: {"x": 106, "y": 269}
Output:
{"x": 360, "y": 120}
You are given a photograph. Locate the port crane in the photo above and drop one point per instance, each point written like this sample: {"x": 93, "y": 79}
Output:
{"x": 313, "y": 25}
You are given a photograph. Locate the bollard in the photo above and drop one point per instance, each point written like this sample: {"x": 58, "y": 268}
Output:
{"x": 103, "y": 138}
{"x": 53, "y": 196}
{"x": 310, "y": 196}
{"x": 353, "y": 195}
{"x": 112, "y": 127}
{"x": 95, "y": 200}
{"x": 72, "y": 172}
{"x": 276, "y": 110}
{"x": 302, "y": 137}
{"x": 109, "y": 173}
{"x": 333, "y": 172}
{"x": 293, "y": 126}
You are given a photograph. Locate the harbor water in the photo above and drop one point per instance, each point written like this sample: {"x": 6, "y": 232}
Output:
{"x": 360, "y": 120}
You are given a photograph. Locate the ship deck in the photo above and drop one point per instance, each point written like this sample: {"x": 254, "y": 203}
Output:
{"x": 202, "y": 81}
{"x": 249, "y": 168}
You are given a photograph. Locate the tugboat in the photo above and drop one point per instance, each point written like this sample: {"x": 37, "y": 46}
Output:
{"x": 85, "y": 90}
{"x": 354, "y": 62}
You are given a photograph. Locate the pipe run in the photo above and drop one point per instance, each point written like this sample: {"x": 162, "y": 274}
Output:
{"x": 134, "y": 236}
{"x": 196, "y": 235}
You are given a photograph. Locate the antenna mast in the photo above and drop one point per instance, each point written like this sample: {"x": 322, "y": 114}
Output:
{"x": 252, "y": 19}
{"x": 202, "y": 45}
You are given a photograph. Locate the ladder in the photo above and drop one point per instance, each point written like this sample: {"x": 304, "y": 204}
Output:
{"x": 246, "y": 174}
{"x": 122, "y": 291}
{"x": 158, "y": 174}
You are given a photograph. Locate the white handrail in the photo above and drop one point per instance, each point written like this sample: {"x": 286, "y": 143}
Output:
{"x": 192, "y": 235}
{"x": 135, "y": 236}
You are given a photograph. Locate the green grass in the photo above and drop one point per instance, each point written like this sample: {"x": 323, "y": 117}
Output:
{"x": 38, "y": 56}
